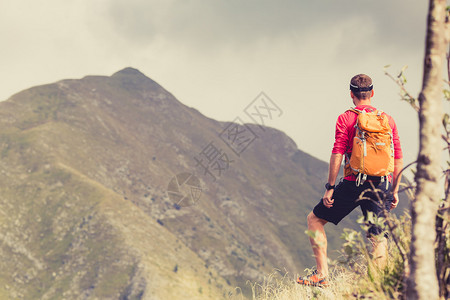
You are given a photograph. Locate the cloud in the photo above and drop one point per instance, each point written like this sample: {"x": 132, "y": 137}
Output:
{"x": 205, "y": 25}
{"x": 214, "y": 55}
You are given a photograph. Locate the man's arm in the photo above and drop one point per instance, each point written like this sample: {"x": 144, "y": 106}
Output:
{"x": 398, "y": 166}
{"x": 333, "y": 172}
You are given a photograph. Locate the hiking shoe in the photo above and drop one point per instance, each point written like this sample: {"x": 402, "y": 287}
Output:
{"x": 313, "y": 280}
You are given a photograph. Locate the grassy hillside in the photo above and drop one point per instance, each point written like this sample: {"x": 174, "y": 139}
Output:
{"x": 67, "y": 236}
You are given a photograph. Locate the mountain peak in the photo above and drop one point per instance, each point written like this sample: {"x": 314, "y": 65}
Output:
{"x": 129, "y": 71}
{"x": 133, "y": 78}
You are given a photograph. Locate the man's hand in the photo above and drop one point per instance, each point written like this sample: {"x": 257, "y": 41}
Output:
{"x": 398, "y": 165}
{"x": 395, "y": 202}
{"x": 327, "y": 201}
{"x": 333, "y": 171}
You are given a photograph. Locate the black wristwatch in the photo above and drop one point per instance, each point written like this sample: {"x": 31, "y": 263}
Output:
{"x": 329, "y": 186}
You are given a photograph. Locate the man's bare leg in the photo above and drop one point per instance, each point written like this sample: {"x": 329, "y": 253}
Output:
{"x": 379, "y": 251}
{"x": 319, "y": 244}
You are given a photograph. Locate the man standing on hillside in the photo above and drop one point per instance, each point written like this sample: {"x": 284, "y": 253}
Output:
{"x": 338, "y": 201}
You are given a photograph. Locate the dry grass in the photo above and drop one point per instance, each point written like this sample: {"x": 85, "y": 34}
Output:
{"x": 344, "y": 284}
{"x": 358, "y": 278}
{"x": 286, "y": 288}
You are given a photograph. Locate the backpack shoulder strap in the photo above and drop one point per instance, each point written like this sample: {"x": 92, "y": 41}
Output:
{"x": 356, "y": 111}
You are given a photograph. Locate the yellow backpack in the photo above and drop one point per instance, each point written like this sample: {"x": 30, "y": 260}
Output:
{"x": 373, "y": 147}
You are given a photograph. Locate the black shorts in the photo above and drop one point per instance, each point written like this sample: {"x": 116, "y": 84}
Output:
{"x": 346, "y": 195}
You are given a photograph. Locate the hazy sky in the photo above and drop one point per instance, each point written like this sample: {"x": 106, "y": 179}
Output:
{"x": 217, "y": 56}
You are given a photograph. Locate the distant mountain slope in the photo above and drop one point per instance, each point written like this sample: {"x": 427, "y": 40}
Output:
{"x": 85, "y": 210}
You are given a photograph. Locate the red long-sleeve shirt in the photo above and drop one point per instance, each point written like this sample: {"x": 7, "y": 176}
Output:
{"x": 346, "y": 131}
